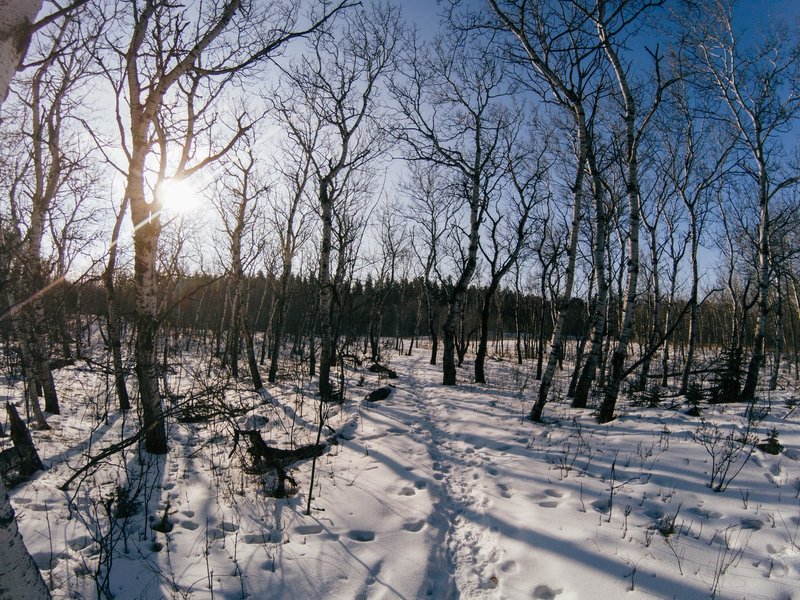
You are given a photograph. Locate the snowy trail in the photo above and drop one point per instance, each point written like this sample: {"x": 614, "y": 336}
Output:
{"x": 465, "y": 558}
{"x": 435, "y": 492}
{"x": 457, "y": 466}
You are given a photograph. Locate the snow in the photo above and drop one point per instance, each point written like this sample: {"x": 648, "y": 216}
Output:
{"x": 437, "y": 492}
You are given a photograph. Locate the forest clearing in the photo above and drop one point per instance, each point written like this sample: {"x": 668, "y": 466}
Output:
{"x": 431, "y": 492}
{"x": 381, "y": 299}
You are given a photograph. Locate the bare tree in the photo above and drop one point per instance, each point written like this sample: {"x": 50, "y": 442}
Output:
{"x": 508, "y": 221}
{"x": 50, "y": 168}
{"x": 19, "y": 576}
{"x": 240, "y": 205}
{"x": 290, "y": 211}
{"x": 611, "y": 21}
{"x": 336, "y": 86}
{"x": 696, "y": 156}
{"x": 430, "y": 210}
{"x": 563, "y": 64}
{"x": 176, "y": 48}
{"x": 757, "y": 87}
{"x": 390, "y": 236}
{"x": 449, "y": 96}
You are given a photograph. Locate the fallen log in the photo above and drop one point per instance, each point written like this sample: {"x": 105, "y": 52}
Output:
{"x": 382, "y": 370}
{"x": 380, "y": 394}
{"x": 267, "y": 458}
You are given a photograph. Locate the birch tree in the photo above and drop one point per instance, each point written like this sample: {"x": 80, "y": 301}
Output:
{"x": 611, "y": 21}
{"x": 508, "y": 223}
{"x": 552, "y": 41}
{"x": 449, "y": 97}
{"x": 336, "y": 86}
{"x": 19, "y": 576}
{"x": 195, "y": 50}
{"x": 431, "y": 211}
{"x": 757, "y": 88}
{"x": 290, "y": 212}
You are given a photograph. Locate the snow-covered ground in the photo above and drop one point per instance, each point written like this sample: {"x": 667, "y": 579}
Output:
{"x": 435, "y": 492}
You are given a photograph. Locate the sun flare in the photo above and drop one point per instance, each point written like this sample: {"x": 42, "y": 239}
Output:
{"x": 178, "y": 196}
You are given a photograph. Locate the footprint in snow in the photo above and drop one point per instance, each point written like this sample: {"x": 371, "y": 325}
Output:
{"x": 414, "y": 526}
{"x": 256, "y": 538}
{"x": 601, "y": 506}
{"x": 553, "y": 504}
{"x": 493, "y": 471}
{"x": 545, "y": 592}
{"x": 190, "y": 525}
{"x": 308, "y": 529}
{"x": 509, "y": 566}
{"x": 407, "y": 491}
{"x": 360, "y": 535}
{"x": 553, "y": 493}
{"x": 505, "y": 492}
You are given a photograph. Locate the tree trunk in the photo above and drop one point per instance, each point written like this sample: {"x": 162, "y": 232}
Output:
{"x": 250, "y": 350}
{"x": 598, "y": 321}
{"x": 112, "y": 314}
{"x": 687, "y": 368}
{"x": 280, "y": 317}
{"x": 480, "y": 357}
{"x": 572, "y": 254}
{"x": 432, "y": 323}
{"x": 606, "y": 412}
{"x": 325, "y": 292}
{"x": 147, "y": 229}
{"x": 751, "y": 381}
{"x": 20, "y": 578}
{"x": 458, "y": 293}
{"x": 776, "y": 366}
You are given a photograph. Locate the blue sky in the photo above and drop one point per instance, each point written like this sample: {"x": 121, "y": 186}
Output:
{"x": 425, "y": 13}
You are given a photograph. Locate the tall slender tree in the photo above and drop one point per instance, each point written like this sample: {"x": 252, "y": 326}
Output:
{"x": 756, "y": 85}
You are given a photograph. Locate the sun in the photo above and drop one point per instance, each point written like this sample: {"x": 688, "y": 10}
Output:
{"x": 178, "y": 196}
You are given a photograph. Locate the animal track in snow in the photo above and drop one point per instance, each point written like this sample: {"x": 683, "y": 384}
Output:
{"x": 308, "y": 529}
{"x": 545, "y": 592}
{"x": 407, "y": 491}
{"x": 509, "y": 566}
{"x": 414, "y": 526}
{"x": 505, "y": 492}
{"x": 361, "y": 535}
{"x": 256, "y": 538}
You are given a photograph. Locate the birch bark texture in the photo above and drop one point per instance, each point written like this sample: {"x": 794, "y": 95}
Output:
{"x": 20, "y": 578}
